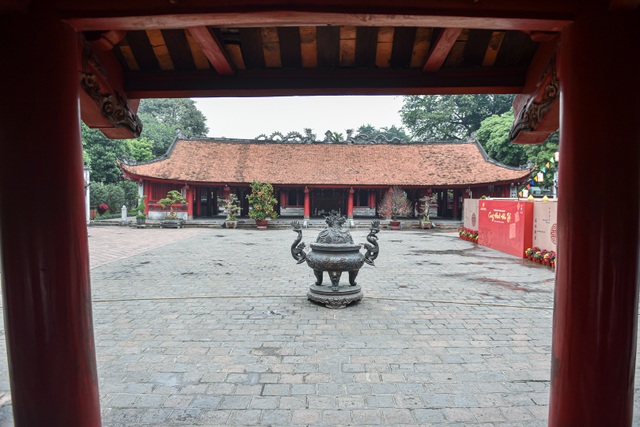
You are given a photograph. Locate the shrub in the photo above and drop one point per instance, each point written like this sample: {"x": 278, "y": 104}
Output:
{"x": 262, "y": 201}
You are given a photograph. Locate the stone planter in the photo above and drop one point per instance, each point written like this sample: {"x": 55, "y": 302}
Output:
{"x": 394, "y": 225}
{"x": 426, "y": 225}
{"x": 171, "y": 223}
{"x": 261, "y": 224}
{"x": 231, "y": 224}
{"x": 141, "y": 222}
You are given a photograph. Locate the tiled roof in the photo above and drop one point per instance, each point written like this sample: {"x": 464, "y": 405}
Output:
{"x": 423, "y": 164}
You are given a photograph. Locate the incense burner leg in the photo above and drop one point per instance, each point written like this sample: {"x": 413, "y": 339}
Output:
{"x": 318, "y": 274}
{"x": 335, "y": 279}
{"x": 352, "y": 277}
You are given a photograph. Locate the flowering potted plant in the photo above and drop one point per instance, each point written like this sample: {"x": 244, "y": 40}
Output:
{"x": 102, "y": 208}
{"x": 394, "y": 204}
{"x": 232, "y": 210}
{"x": 261, "y": 202}
{"x": 171, "y": 220}
{"x": 468, "y": 234}
{"x": 541, "y": 256}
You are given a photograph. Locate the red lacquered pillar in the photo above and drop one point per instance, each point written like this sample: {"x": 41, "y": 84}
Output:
{"x": 283, "y": 198}
{"x": 45, "y": 257}
{"x": 596, "y": 297}
{"x": 146, "y": 190}
{"x": 307, "y": 204}
{"x": 190, "y": 200}
{"x": 350, "y": 204}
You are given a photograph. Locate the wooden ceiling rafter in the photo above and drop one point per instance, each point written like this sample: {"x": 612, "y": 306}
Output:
{"x": 212, "y": 49}
{"x": 441, "y": 48}
{"x": 493, "y": 48}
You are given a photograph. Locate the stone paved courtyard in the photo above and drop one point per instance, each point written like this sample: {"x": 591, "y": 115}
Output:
{"x": 211, "y": 327}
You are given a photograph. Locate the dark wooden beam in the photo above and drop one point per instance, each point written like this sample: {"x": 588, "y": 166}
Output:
{"x": 213, "y": 50}
{"x": 623, "y": 4}
{"x": 441, "y": 48}
{"x": 526, "y": 15}
{"x": 321, "y": 82}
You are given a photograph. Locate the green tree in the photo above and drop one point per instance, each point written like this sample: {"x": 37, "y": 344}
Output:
{"x": 140, "y": 149}
{"x": 103, "y": 154}
{"x": 161, "y": 118}
{"x": 493, "y": 135}
{"x": 389, "y": 132}
{"x": 451, "y": 117}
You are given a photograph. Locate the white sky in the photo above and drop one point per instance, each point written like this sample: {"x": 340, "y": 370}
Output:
{"x": 249, "y": 117}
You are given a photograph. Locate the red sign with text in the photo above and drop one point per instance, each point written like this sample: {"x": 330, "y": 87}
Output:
{"x": 506, "y": 225}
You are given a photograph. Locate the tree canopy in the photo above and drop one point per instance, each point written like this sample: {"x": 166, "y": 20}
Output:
{"x": 455, "y": 117}
{"x": 161, "y": 119}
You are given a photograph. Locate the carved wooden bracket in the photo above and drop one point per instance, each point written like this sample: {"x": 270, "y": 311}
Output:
{"x": 103, "y": 104}
{"x": 538, "y": 116}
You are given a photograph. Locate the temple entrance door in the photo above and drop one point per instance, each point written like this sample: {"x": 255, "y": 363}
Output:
{"x": 209, "y": 201}
{"x": 326, "y": 200}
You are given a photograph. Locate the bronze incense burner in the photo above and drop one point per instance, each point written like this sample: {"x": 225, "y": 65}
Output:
{"x": 335, "y": 252}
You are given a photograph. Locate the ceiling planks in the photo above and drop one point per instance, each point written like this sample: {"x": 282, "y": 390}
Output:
{"x": 160, "y": 50}
{"x": 308, "y": 47}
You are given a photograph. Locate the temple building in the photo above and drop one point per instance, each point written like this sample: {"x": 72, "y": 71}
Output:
{"x": 313, "y": 178}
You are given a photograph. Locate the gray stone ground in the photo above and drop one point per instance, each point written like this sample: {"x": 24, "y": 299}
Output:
{"x": 211, "y": 327}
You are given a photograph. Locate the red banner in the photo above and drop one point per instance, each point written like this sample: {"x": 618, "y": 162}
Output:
{"x": 506, "y": 225}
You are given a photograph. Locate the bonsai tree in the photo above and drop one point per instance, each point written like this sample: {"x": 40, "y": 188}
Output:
{"x": 173, "y": 197}
{"x": 139, "y": 210}
{"x": 426, "y": 202}
{"x": 231, "y": 207}
{"x": 262, "y": 201}
{"x": 395, "y": 203}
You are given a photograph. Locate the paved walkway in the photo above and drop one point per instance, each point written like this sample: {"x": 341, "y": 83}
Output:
{"x": 211, "y": 327}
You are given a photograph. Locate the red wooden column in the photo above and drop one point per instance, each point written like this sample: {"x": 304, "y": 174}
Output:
{"x": 596, "y": 293}
{"x": 146, "y": 190}
{"x": 307, "y": 204}
{"x": 350, "y": 204}
{"x": 45, "y": 257}
{"x": 283, "y": 198}
{"x": 190, "y": 200}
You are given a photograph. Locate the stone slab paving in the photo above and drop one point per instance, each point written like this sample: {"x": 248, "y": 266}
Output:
{"x": 211, "y": 327}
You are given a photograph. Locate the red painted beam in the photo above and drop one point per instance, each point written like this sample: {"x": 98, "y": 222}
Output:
{"x": 525, "y": 15}
{"x": 213, "y": 50}
{"x": 441, "y": 49}
{"x": 45, "y": 254}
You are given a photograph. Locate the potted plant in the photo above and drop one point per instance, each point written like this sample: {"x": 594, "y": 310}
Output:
{"x": 261, "y": 202}
{"x": 231, "y": 209}
{"x": 102, "y": 208}
{"x": 141, "y": 217}
{"x": 171, "y": 220}
{"x": 425, "y": 219}
{"x": 394, "y": 204}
